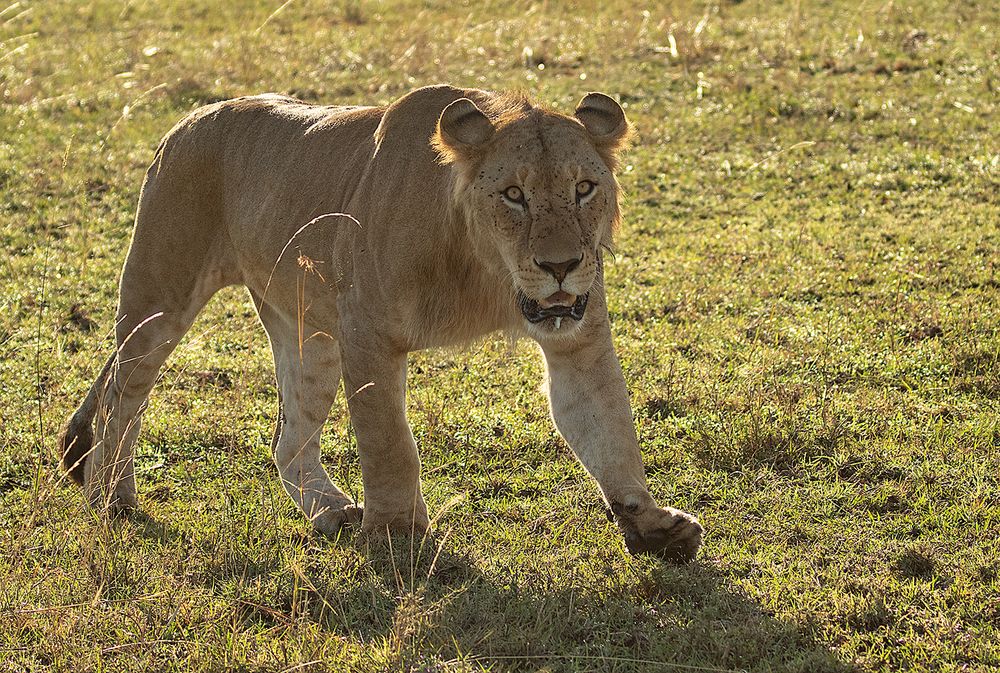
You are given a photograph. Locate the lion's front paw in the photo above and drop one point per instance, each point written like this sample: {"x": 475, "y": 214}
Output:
{"x": 330, "y": 520}
{"x": 395, "y": 522}
{"x": 668, "y": 533}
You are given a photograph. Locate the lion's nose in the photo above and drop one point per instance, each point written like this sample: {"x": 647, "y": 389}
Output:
{"x": 559, "y": 270}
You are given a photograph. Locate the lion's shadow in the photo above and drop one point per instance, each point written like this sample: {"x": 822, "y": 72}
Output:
{"x": 660, "y": 618}
{"x": 435, "y": 604}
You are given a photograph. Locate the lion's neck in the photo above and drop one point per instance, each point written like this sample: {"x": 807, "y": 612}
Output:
{"x": 457, "y": 298}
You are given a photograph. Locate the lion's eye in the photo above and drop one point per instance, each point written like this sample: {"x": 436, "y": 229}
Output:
{"x": 584, "y": 190}
{"x": 514, "y": 194}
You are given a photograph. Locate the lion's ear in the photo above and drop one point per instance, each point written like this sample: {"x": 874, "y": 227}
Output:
{"x": 461, "y": 128}
{"x": 603, "y": 118}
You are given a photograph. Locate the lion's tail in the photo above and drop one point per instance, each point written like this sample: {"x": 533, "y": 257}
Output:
{"x": 77, "y": 437}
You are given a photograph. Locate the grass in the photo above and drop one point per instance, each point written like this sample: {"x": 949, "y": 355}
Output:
{"x": 805, "y": 301}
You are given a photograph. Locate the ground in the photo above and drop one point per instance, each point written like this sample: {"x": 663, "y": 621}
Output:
{"x": 804, "y": 297}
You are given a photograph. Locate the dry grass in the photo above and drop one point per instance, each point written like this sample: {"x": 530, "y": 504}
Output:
{"x": 804, "y": 299}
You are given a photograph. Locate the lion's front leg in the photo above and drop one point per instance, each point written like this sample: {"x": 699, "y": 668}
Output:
{"x": 375, "y": 384}
{"x": 591, "y": 410}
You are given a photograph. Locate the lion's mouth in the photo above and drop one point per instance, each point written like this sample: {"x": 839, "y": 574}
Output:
{"x": 555, "y": 306}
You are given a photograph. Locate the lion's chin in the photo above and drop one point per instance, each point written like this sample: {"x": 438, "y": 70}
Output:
{"x": 551, "y": 312}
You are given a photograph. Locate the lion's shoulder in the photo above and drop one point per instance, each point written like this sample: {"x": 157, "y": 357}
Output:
{"x": 413, "y": 118}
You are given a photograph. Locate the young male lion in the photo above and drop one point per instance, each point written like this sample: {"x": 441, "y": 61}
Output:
{"x": 447, "y": 215}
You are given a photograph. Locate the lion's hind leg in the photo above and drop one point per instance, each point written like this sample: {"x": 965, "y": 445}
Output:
{"x": 148, "y": 330}
{"x": 307, "y": 368}
{"x": 177, "y": 261}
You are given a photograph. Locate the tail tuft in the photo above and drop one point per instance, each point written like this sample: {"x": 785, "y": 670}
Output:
{"x": 75, "y": 444}
{"x": 76, "y": 440}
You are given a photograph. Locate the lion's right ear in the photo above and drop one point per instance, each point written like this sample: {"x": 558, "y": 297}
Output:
{"x": 462, "y": 128}
{"x": 603, "y": 118}
{"x": 606, "y": 125}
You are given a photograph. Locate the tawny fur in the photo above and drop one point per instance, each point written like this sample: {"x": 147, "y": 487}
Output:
{"x": 364, "y": 233}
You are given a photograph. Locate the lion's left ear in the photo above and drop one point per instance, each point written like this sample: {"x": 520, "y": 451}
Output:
{"x": 462, "y": 129}
{"x": 604, "y": 119}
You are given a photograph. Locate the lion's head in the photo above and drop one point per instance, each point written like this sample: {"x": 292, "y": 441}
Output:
{"x": 538, "y": 190}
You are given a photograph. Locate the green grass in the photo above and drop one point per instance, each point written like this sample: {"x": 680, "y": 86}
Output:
{"x": 805, "y": 301}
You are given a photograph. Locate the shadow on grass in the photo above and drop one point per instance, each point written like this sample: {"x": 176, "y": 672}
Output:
{"x": 660, "y": 618}
{"x": 429, "y": 608}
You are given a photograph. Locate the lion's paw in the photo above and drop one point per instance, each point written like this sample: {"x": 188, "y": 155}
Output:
{"x": 398, "y": 522}
{"x": 332, "y": 519}
{"x": 121, "y": 502}
{"x": 668, "y": 533}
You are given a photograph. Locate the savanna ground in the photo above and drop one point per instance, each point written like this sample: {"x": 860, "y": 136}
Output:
{"x": 805, "y": 301}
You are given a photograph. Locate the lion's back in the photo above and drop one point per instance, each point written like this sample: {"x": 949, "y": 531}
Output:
{"x": 244, "y": 176}
{"x": 253, "y": 132}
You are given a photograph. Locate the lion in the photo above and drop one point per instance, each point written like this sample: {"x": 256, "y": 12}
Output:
{"x": 445, "y": 216}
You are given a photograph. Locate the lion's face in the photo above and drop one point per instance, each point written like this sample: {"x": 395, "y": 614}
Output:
{"x": 542, "y": 198}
